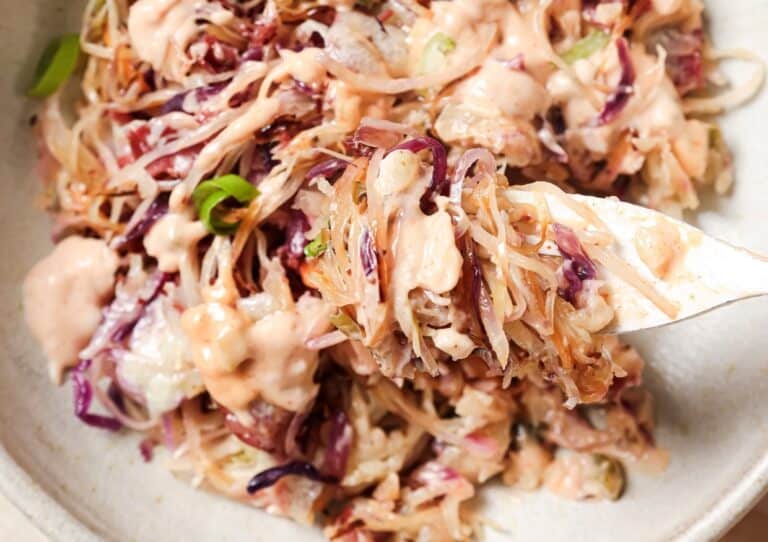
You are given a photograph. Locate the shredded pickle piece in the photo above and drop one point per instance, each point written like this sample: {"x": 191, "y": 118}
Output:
{"x": 587, "y": 46}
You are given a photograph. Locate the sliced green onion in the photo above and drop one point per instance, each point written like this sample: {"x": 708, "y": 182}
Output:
{"x": 316, "y": 247}
{"x": 213, "y": 223}
{"x": 232, "y": 184}
{"x": 211, "y": 193}
{"x": 55, "y": 66}
{"x": 435, "y": 51}
{"x": 586, "y": 46}
{"x": 346, "y": 325}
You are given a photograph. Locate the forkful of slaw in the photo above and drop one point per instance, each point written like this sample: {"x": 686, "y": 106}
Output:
{"x": 466, "y": 261}
{"x": 659, "y": 270}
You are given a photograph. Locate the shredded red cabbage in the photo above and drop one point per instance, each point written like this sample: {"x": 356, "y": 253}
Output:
{"x": 262, "y": 32}
{"x": 577, "y": 266}
{"x": 367, "y": 138}
{"x": 146, "y": 448}
{"x": 137, "y": 139}
{"x": 482, "y": 157}
{"x": 291, "y": 253}
{"x": 619, "y": 98}
{"x": 439, "y": 183}
{"x": 261, "y": 164}
{"x": 153, "y": 213}
{"x": 115, "y": 394}
{"x": 368, "y": 255}
{"x": 323, "y": 14}
{"x": 219, "y": 56}
{"x": 239, "y": 98}
{"x": 254, "y": 53}
{"x": 176, "y": 165}
{"x": 481, "y": 302}
{"x": 83, "y": 392}
{"x": 339, "y": 446}
{"x": 267, "y": 432}
{"x": 176, "y": 103}
{"x": 124, "y": 326}
{"x": 121, "y": 316}
{"x": 327, "y": 168}
{"x": 684, "y": 64}
{"x": 271, "y": 476}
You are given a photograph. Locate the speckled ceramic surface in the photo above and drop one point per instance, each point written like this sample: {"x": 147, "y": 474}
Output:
{"x": 710, "y": 375}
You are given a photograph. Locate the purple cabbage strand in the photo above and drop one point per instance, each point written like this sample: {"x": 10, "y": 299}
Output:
{"x": 339, "y": 446}
{"x": 271, "y": 476}
{"x": 155, "y": 211}
{"x": 327, "y": 168}
{"x": 439, "y": 183}
{"x": 368, "y": 255}
{"x": 83, "y": 398}
{"x": 619, "y": 98}
{"x": 577, "y": 266}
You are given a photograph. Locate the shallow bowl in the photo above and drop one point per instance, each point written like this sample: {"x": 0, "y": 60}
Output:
{"x": 709, "y": 375}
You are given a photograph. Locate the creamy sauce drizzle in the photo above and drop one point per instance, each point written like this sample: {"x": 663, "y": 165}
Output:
{"x": 256, "y": 116}
{"x": 514, "y": 92}
{"x": 160, "y": 32}
{"x": 427, "y": 256}
{"x": 172, "y": 239}
{"x": 63, "y": 297}
{"x": 241, "y": 362}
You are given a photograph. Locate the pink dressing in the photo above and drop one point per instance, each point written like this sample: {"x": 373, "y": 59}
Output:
{"x": 64, "y": 294}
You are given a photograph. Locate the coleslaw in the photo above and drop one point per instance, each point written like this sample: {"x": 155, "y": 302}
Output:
{"x": 292, "y": 249}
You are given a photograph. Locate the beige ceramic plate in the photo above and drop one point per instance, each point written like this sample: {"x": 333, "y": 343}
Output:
{"x": 710, "y": 375}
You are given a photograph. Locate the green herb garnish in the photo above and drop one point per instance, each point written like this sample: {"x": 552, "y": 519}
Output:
{"x": 435, "y": 52}
{"x": 56, "y": 65}
{"x": 210, "y": 194}
{"x": 316, "y": 247}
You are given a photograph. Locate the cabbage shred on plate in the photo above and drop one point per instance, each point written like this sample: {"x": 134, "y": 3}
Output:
{"x": 294, "y": 239}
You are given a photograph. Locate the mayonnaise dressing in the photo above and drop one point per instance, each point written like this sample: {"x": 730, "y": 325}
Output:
{"x": 455, "y": 344}
{"x": 260, "y": 113}
{"x": 217, "y": 335}
{"x": 456, "y": 16}
{"x": 160, "y": 32}
{"x": 514, "y": 92}
{"x": 172, "y": 239}
{"x": 519, "y": 38}
{"x": 425, "y": 253}
{"x": 63, "y": 297}
{"x": 267, "y": 359}
{"x": 303, "y": 65}
{"x": 427, "y": 256}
